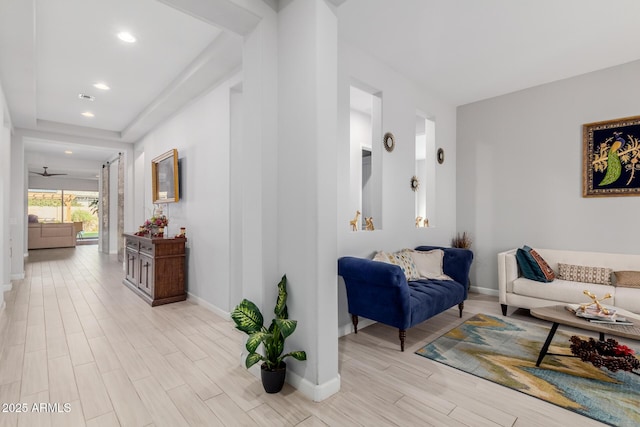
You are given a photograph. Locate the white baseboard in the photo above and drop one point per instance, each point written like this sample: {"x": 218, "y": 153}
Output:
{"x": 317, "y": 393}
{"x": 208, "y": 306}
{"x": 348, "y": 329}
{"x": 485, "y": 291}
{"x": 17, "y": 276}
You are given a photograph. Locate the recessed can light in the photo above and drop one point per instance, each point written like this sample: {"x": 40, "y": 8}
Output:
{"x": 126, "y": 37}
{"x": 101, "y": 86}
{"x": 68, "y": 152}
{"x": 88, "y": 114}
{"x": 86, "y": 97}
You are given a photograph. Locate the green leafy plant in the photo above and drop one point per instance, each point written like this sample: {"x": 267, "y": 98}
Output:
{"x": 249, "y": 319}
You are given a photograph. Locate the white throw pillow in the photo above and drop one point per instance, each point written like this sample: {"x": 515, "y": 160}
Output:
{"x": 429, "y": 263}
{"x": 382, "y": 257}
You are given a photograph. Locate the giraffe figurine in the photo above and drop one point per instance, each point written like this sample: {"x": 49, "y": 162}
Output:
{"x": 418, "y": 221}
{"x": 354, "y": 222}
{"x": 369, "y": 222}
{"x": 426, "y": 222}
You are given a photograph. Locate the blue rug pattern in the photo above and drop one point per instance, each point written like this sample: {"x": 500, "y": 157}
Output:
{"x": 505, "y": 351}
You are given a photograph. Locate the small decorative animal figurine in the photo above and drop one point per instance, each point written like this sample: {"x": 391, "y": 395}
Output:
{"x": 426, "y": 222}
{"x": 369, "y": 224}
{"x": 418, "y": 221}
{"x": 354, "y": 222}
{"x": 595, "y": 301}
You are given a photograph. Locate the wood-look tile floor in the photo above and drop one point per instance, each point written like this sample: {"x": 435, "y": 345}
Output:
{"x": 72, "y": 334}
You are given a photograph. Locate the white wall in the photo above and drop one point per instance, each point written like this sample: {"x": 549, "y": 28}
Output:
{"x": 401, "y": 100}
{"x": 5, "y": 175}
{"x": 520, "y": 170}
{"x": 200, "y": 133}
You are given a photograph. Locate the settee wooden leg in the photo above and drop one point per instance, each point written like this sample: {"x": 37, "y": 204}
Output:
{"x": 403, "y": 335}
{"x": 354, "y": 320}
{"x": 461, "y": 307}
{"x": 504, "y": 309}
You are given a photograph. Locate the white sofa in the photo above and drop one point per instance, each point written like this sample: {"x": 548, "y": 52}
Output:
{"x": 515, "y": 290}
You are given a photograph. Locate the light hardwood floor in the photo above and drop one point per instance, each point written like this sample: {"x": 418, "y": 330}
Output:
{"x": 72, "y": 333}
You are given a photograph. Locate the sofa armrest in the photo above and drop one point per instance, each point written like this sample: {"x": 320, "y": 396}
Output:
{"x": 456, "y": 262}
{"x": 376, "y": 290}
{"x": 507, "y": 273}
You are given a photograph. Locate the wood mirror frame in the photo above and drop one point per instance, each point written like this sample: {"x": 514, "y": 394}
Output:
{"x": 164, "y": 178}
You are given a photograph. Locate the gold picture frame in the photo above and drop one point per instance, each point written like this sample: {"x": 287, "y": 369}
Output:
{"x": 611, "y": 158}
{"x": 165, "y": 187}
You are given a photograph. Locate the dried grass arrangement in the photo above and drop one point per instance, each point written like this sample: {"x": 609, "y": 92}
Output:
{"x": 461, "y": 241}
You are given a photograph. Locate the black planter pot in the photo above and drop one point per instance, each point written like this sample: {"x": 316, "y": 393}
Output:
{"x": 272, "y": 381}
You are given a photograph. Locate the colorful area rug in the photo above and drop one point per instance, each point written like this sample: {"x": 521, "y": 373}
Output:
{"x": 505, "y": 351}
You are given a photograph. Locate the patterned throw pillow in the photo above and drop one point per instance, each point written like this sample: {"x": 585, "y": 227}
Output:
{"x": 547, "y": 272}
{"x": 529, "y": 267}
{"x": 582, "y": 273}
{"x": 404, "y": 260}
{"x": 628, "y": 279}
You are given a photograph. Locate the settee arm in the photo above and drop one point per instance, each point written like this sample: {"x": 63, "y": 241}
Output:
{"x": 376, "y": 290}
{"x": 507, "y": 273}
{"x": 456, "y": 262}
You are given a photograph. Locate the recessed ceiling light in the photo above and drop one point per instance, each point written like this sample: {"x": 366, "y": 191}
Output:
{"x": 88, "y": 114}
{"x": 68, "y": 152}
{"x": 101, "y": 86}
{"x": 87, "y": 97}
{"x": 126, "y": 37}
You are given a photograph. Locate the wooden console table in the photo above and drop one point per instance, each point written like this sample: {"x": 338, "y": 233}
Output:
{"x": 155, "y": 268}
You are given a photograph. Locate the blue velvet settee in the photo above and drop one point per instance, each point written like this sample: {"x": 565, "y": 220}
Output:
{"x": 381, "y": 292}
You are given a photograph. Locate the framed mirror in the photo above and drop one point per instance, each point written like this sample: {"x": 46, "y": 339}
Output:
{"x": 389, "y": 141}
{"x": 164, "y": 178}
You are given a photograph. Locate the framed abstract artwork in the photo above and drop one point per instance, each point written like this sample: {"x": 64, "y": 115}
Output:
{"x": 611, "y": 158}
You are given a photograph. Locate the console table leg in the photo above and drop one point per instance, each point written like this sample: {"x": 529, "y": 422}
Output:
{"x": 545, "y": 347}
{"x": 601, "y": 336}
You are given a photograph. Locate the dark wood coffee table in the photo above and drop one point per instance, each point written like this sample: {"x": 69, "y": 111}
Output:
{"x": 559, "y": 315}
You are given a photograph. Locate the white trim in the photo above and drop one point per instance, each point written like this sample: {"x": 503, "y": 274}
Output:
{"x": 17, "y": 276}
{"x": 315, "y": 392}
{"x": 197, "y": 300}
{"x": 348, "y": 329}
{"x": 484, "y": 291}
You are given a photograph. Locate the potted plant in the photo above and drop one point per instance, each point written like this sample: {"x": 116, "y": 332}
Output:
{"x": 248, "y": 319}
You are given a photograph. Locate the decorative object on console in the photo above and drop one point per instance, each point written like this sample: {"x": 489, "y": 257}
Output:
{"x": 415, "y": 183}
{"x": 183, "y": 232}
{"x": 611, "y": 158}
{"x": 389, "y": 141}
{"x": 369, "y": 222}
{"x": 249, "y": 319}
{"x": 165, "y": 186}
{"x": 418, "y": 221}
{"x": 354, "y": 222}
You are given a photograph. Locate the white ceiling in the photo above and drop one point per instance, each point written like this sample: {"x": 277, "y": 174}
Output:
{"x": 469, "y": 50}
{"x": 51, "y": 51}
{"x": 460, "y": 50}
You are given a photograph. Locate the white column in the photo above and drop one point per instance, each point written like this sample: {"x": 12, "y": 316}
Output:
{"x": 307, "y": 187}
{"x": 17, "y": 210}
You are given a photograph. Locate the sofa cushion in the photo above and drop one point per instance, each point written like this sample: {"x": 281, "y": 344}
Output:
{"x": 627, "y": 299}
{"x": 430, "y": 297}
{"x": 405, "y": 262}
{"x": 627, "y": 279}
{"x": 586, "y": 274}
{"x": 560, "y": 290}
{"x": 429, "y": 263}
{"x": 529, "y": 267}
{"x": 542, "y": 264}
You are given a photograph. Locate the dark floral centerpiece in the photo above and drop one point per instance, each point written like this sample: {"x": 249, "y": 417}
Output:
{"x": 609, "y": 354}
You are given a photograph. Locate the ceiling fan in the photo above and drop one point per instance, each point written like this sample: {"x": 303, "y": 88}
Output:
{"x": 45, "y": 173}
